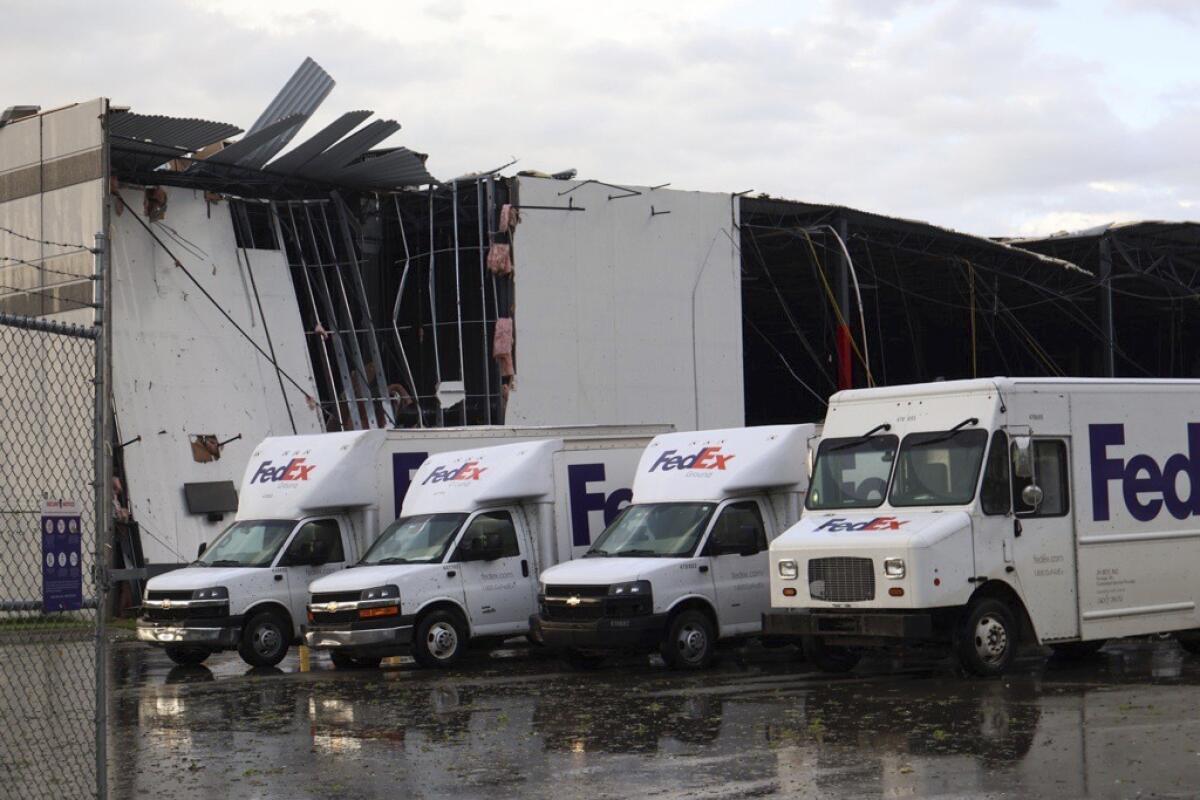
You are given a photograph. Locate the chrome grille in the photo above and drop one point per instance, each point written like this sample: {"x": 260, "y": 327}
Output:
{"x": 841, "y": 579}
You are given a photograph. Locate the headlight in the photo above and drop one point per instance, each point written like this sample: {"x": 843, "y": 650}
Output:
{"x": 542, "y": 588}
{"x": 381, "y": 593}
{"x": 634, "y": 588}
{"x": 788, "y": 569}
{"x": 214, "y": 593}
{"x": 894, "y": 567}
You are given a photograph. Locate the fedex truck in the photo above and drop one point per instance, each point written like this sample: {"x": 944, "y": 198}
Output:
{"x": 685, "y": 565}
{"x": 460, "y": 565}
{"x": 311, "y": 505}
{"x": 983, "y": 514}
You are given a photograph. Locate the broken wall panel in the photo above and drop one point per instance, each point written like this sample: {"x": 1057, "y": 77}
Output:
{"x": 180, "y": 369}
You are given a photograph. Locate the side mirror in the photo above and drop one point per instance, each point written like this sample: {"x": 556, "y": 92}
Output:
{"x": 1022, "y": 455}
{"x": 1032, "y": 496}
{"x": 200, "y": 550}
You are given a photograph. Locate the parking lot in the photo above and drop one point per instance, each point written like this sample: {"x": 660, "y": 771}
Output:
{"x": 516, "y": 723}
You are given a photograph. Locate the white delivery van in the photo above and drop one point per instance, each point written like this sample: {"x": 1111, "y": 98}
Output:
{"x": 686, "y": 563}
{"x": 311, "y": 505}
{"x": 982, "y": 514}
{"x": 461, "y": 563}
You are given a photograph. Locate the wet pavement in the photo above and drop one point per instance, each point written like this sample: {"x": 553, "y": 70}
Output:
{"x": 1121, "y": 725}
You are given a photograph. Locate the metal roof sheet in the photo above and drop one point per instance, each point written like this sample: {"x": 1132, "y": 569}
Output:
{"x": 400, "y": 167}
{"x": 238, "y": 152}
{"x": 346, "y": 151}
{"x": 301, "y": 95}
{"x": 146, "y": 141}
{"x": 309, "y": 149}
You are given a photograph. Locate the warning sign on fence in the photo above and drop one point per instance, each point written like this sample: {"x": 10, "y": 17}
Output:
{"x": 62, "y": 562}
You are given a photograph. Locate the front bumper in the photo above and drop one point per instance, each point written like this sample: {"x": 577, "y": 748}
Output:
{"x": 607, "y": 633}
{"x": 222, "y": 635}
{"x": 394, "y": 639}
{"x": 891, "y": 625}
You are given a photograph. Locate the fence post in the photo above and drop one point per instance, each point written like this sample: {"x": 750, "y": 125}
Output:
{"x": 102, "y": 470}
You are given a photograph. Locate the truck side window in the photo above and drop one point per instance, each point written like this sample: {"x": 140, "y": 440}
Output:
{"x": 994, "y": 494}
{"x": 1050, "y": 467}
{"x": 319, "y": 540}
{"x": 740, "y": 525}
{"x": 498, "y": 522}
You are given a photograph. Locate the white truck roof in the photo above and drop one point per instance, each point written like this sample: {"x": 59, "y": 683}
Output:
{"x": 290, "y": 476}
{"x": 464, "y": 480}
{"x": 712, "y": 465}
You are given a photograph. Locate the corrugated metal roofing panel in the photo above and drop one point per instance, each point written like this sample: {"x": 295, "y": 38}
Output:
{"x": 346, "y": 151}
{"x": 400, "y": 167}
{"x": 184, "y": 133}
{"x": 302, "y": 94}
{"x": 248, "y": 145}
{"x": 307, "y": 150}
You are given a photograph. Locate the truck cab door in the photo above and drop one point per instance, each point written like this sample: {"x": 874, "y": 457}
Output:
{"x": 317, "y": 548}
{"x": 495, "y": 559}
{"x": 737, "y": 551}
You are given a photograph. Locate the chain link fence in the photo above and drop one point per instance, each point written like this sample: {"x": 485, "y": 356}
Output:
{"x": 52, "y": 628}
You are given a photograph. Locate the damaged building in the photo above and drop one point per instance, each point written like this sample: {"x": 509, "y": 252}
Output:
{"x": 268, "y": 283}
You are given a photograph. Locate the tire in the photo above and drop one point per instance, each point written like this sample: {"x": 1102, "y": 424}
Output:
{"x": 265, "y": 639}
{"x": 583, "y": 660}
{"x": 1076, "y": 651}
{"x": 987, "y": 638}
{"x": 691, "y": 641}
{"x": 827, "y": 657}
{"x": 439, "y": 640}
{"x": 187, "y": 656}
{"x": 342, "y": 660}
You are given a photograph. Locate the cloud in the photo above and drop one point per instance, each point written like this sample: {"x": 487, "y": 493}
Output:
{"x": 945, "y": 110}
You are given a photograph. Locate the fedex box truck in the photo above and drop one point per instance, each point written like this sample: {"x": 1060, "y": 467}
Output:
{"x": 460, "y": 565}
{"x": 312, "y": 505}
{"x": 983, "y": 514}
{"x": 685, "y": 565}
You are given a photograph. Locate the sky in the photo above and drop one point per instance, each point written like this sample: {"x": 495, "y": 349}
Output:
{"x": 997, "y": 117}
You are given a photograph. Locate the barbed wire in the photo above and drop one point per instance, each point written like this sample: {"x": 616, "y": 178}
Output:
{"x": 47, "y": 291}
{"x": 34, "y": 263}
{"x": 50, "y": 242}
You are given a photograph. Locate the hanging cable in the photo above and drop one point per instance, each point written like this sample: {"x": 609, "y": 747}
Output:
{"x": 862, "y": 317}
{"x": 833, "y": 301}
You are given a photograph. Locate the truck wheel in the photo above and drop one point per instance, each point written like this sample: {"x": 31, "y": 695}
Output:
{"x": 343, "y": 660}
{"x": 265, "y": 639}
{"x": 185, "y": 656}
{"x": 987, "y": 638}
{"x": 829, "y": 657}
{"x": 690, "y": 642}
{"x": 439, "y": 640}
{"x": 1190, "y": 642}
{"x": 1077, "y": 651}
{"x": 583, "y": 660}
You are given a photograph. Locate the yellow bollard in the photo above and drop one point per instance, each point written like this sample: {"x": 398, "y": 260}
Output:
{"x": 304, "y": 658}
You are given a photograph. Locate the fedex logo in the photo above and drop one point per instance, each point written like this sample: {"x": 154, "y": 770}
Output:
{"x": 468, "y": 471}
{"x": 878, "y": 524}
{"x": 584, "y": 501}
{"x": 1146, "y": 486}
{"x": 706, "y": 458}
{"x": 294, "y": 470}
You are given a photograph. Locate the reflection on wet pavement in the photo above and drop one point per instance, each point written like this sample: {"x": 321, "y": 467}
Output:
{"x": 1121, "y": 725}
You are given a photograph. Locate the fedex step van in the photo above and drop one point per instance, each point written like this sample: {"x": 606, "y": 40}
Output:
{"x": 983, "y": 514}
{"x": 311, "y": 505}
{"x": 686, "y": 564}
{"x": 461, "y": 564}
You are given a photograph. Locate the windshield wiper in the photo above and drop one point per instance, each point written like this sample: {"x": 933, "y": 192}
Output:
{"x": 225, "y": 562}
{"x": 636, "y": 552}
{"x": 597, "y": 554}
{"x": 390, "y": 560}
{"x": 950, "y": 433}
{"x": 883, "y": 426}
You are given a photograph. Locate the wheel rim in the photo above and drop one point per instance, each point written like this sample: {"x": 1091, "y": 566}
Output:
{"x": 991, "y": 640}
{"x": 267, "y": 639}
{"x": 442, "y": 640}
{"x": 692, "y": 642}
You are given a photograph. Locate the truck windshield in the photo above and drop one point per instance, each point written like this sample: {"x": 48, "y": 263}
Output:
{"x": 248, "y": 543}
{"x": 852, "y": 472}
{"x": 939, "y": 468}
{"x": 422, "y": 539}
{"x": 662, "y": 530}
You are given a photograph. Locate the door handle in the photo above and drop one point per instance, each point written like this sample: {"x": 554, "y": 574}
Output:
{"x": 1016, "y": 528}
{"x": 524, "y": 568}
{"x": 704, "y": 568}
{"x": 278, "y": 577}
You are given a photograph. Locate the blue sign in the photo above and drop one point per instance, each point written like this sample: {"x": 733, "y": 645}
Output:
{"x": 62, "y": 562}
